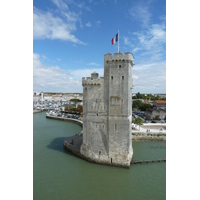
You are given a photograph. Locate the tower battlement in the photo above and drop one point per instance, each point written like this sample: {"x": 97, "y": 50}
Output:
{"x": 91, "y": 81}
{"x": 126, "y": 57}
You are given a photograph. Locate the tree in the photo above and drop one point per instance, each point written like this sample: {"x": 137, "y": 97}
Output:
{"x": 140, "y": 105}
{"x": 138, "y": 95}
{"x": 79, "y": 109}
{"x": 137, "y": 104}
{"x": 144, "y": 106}
{"x": 138, "y": 121}
{"x": 67, "y": 108}
{"x": 157, "y": 117}
{"x": 75, "y": 100}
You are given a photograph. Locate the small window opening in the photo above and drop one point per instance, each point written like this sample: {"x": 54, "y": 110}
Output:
{"x": 86, "y": 88}
{"x": 122, "y": 77}
{"x": 91, "y": 78}
{"x": 115, "y": 127}
{"x": 111, "y": 77}
{"x": 122, "y": 100}
{"x": 99, "y": 152}
{"x": 97, "y": 114}
{"x": 111, "y": 160}
{"x": 120, "y": 66}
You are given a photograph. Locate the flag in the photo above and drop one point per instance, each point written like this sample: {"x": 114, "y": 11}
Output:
{"x": 115, "y": 39}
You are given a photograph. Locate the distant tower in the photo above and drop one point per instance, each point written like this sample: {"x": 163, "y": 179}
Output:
{"x": 107, "y": 112}
{"x": 42, "y": 98}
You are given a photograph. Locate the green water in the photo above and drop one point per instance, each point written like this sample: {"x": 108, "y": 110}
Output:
{"x": 58, "y": 174}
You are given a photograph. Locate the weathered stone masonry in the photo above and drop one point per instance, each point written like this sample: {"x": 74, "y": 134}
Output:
{"x": 107, "y": 112}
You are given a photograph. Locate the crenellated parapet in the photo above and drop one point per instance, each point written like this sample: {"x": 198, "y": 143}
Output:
{"x": 91, "y": 81}
{"x": 126, "y": 57}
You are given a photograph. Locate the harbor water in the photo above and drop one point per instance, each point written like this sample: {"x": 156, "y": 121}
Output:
{"x": 58, "y": 174}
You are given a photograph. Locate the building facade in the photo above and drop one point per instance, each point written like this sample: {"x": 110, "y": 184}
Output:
{"x": 160, "y": 103}
{"x": 107, "y": 112}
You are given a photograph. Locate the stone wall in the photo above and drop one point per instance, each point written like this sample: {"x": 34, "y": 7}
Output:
{"x": 107, "y": 112}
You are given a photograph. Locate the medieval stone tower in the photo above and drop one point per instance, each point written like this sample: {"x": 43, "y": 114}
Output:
{"x": 107, "y": 112}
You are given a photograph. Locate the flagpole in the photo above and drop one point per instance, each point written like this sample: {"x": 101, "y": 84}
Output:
{"x": 118, "y": 40}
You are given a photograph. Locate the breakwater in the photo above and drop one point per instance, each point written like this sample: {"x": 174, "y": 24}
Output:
{"x": 147, "y": 161}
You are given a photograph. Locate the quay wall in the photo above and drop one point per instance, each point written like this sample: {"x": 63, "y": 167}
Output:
{"x": 80, "y": 123}
{"x": 149, "y": 138}
{"x": 36, "y": 111}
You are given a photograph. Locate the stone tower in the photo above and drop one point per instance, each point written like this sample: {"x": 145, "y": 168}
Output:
{"x": 107, "y": 112}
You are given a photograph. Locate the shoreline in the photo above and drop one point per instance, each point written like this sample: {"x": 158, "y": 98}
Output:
{"x": 36, "y": 111}
{"x": 80, "y": 123}
{"x": 149, "y": 138}
{"x": 136, "y": 135}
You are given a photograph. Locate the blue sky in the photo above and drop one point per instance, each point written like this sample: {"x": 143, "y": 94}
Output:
{"x": 71, "y": 37}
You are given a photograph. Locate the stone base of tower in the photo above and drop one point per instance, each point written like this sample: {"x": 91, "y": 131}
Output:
{"x": 81, "y": 150}
{"x": 120, "y": 160}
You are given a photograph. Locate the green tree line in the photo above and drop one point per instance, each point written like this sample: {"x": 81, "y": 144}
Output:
{"x": 148, "y": 96}
{"x": 142, "y": 106}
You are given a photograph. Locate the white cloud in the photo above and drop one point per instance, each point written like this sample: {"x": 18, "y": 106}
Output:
{"x": 52, "y": 78}
{"x": 140, "y": 12}
{"x": 134, "y": 77}
{"x": 79, "y": 73}
{"x": 94, "y": 64}
{"x": 126, "y": 40}
{"x": 153, "y": 37}
{"x": 149, "y": 77}
{"x": 60, "y": 4}
{"x": 48, "y": 26}
{"x": 150, "y": 42}
{"x": 56, "y": 79}
{"x": 82, "y": 5}
{"x": 88, "y": 24}
{"x": 135, "y": 50}
{"x": 98, "y": 23}
{"x": 146, "y": 77}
